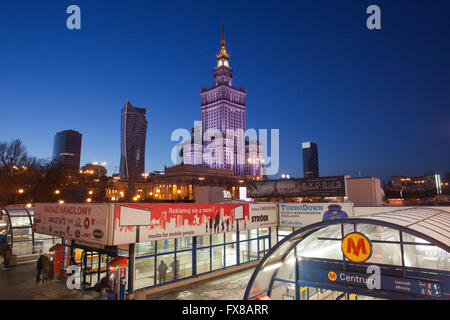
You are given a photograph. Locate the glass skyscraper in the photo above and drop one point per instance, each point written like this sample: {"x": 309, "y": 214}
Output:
{"x": 310, "y": 160}
{"x": 133, "y": 135}
{"x": 67, "y": 149}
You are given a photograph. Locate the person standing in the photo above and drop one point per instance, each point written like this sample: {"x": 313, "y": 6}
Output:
{"x": 210, "y": 224}
{"x": 162, "y": 269}
{"x": 228, "y": 224}
{"x": 46, "y": 268}
{"x": 216, "y": 223}
{"x": 39, "y": 268}
{"x": 175, "y": 269}
{"x": 7, "y": 253}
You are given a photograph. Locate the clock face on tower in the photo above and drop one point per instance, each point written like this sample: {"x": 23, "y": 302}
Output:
{"x": 225, "y": 63}
{"x": 220, "y": 63}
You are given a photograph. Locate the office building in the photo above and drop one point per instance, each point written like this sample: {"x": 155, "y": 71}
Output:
{"x": 132, "y": 141}
{"x": 310, "y": 160}
{"x": 67, "y": 149}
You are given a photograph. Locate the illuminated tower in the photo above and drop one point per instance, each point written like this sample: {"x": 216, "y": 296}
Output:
{"x": 223, "y": 108}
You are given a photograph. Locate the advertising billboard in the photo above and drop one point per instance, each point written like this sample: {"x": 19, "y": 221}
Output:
{"x": 307, "y": 187}
{"x": 262, "y": 215}
{"x": 303, "y": 214}
{"x": 168, "y": 221}
{"x": 86, "y": 222}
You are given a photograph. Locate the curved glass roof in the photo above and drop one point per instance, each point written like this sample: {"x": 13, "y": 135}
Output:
{"x": 434, "y": 223}
{"x": 407, "y": 244}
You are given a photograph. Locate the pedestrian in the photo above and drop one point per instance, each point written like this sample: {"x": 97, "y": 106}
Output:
{"x": 216, "y": 222}
{"x": 206, "y": 226}
{"x": 39, "y": 268}
{"x": 7, "y": 253}
{"x": 223, "y": 227}
{"x": 210, "y": 224}
{"x": 175, "y": 269}
{"x": 46, "y": 268}
{"x": 162, "y": 269}
{"x": 228, "y": 224}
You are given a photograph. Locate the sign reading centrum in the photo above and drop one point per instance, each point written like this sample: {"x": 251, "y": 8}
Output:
{"x": 316, "y": 187}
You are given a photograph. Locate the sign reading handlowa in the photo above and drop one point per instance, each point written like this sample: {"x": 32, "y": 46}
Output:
{"x": 86, "y": 222}
{"x": 307, "y": 187}
{"x": 303, "y": 214}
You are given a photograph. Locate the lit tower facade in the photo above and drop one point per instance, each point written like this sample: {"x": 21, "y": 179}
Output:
{"x": 223, "y": 108}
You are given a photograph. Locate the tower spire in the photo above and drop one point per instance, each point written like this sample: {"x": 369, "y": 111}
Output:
{"x": 223, "y": 35}
{"x": 223, "y": 51}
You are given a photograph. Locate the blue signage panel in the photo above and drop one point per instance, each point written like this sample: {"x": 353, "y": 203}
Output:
{"x": 344, "y": 279}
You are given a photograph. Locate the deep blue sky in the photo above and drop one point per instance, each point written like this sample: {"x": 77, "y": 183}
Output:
{"x": 375, "y": 101}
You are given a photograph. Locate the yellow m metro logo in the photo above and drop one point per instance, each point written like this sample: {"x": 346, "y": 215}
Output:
{"x": 332, "y": 275}
{"x": 356, "y": 247}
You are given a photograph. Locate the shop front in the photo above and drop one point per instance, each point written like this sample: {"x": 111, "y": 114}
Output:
{"x": 163, "y": 243}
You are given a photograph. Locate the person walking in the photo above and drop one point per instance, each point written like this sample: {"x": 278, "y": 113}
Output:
{"x": 39, "y": 268}
{"x": 228, "y": 224}
{"x": 7, "y": 254}
{"x": 46, "y": 268}
{"x": 162, "y": 269}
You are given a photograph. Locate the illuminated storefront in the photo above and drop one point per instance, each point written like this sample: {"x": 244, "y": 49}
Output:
{"x": 339, "y": 259}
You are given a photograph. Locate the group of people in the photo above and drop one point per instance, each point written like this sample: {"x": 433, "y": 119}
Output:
{"x": 162, "y": 270}
{"x": 216, "y": 223}
{"x": 44, "y": 264}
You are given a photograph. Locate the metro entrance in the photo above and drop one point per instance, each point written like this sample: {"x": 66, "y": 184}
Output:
{"x": 93, "y": 264}
{"x": 408, "y": 250}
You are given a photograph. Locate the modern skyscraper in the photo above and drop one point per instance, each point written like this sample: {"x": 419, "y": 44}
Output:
{"x": 133, "y": 136}
{"x": 223, "y": 110}
{"x": 67, "y": 149}
{"x": 310, "y": 160}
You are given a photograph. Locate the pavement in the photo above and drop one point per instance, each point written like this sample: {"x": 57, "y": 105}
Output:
{"x": 228, "y": 287}
{"x": 19, "y": 283}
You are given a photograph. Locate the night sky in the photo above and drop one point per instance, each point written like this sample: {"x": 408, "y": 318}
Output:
{"x": 375, "y": 101}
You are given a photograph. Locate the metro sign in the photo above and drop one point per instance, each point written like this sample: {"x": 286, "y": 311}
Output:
{"x": 356, "y": 247}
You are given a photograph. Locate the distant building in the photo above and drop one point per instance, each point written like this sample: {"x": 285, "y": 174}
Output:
{"x": 430, "y": 182}
{"x": 310, "y": 160}
{"x": 177, "y": 183}
{"x": 132, "y": 143}
{"x": 94, "y": 169}
{"x": 67, "y": 149}
{"x": 365, "y": 192}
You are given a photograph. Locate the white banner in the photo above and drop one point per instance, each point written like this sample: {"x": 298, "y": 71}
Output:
{"x": 262, "y": 215}
{"x": 303, "y": 214}
{"x": 87, "y": 222}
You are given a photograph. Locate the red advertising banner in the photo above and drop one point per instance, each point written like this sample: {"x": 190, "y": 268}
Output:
{"x": 149, "y": 222}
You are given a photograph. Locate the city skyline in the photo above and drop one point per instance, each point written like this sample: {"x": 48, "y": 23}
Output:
{"x": 408, "y": 128}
